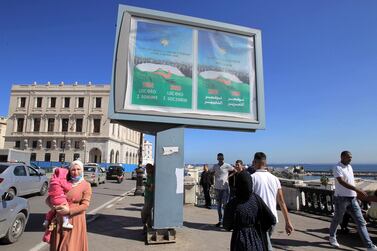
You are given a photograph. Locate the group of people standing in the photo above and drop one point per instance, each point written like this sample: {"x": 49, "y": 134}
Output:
{"x": 254, "y": 194}
{"x": 250, "y": 198}
{"x": 250, "y": 212}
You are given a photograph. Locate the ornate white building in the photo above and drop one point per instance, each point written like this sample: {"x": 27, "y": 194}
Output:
{"x": 3, "y": 128}
{"x": 147, "y": 153}
{"x": 66, "y": 122}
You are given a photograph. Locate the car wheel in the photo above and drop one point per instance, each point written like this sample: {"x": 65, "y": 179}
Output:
{"x": 104, "y": 181}
{"x": 16, "y": 229}
{"x": 43, "y": 189}
{"x": 12, "y": 191}
{"x": 95, "y": 184}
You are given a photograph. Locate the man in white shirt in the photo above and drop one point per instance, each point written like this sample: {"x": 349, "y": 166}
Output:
{"x": 268, "y": 187}
{"x": 345, "y": 200}
{"x": 221, "y": 171}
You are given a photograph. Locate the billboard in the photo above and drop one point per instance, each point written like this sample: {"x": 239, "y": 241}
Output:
{"x": 178, "y": 70}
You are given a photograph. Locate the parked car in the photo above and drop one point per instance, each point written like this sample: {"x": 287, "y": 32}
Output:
{"x": 38, "y": 168}
{"x": 14, "y": 214}
{"x": 115, "y": 172}
{"x": 21, "y": 179}
{"x": 134, "y": 173}
{"x": 94, "y": 174}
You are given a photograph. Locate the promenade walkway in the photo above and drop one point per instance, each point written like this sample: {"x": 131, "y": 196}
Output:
{"x": 118, "y": 227}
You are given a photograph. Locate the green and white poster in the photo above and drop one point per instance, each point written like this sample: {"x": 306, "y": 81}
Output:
{"x": 224, "y": 72}
{"x": 162, "y": 65}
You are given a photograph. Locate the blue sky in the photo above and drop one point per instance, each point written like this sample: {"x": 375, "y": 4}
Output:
{"x": 320, "y": 61}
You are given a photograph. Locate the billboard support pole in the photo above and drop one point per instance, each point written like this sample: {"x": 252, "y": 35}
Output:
{"x": 168, "y": 193}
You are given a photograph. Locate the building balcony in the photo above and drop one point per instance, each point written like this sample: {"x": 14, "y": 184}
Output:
{"x": 49, "y": 134}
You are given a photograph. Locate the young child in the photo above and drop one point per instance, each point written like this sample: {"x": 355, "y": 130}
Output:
{"x": 59, "y": 185}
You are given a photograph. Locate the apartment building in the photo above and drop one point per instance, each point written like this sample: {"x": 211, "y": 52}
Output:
{"x": 147, "y": 152}
{"x": 3, "y": 128}
{"x": 60, "y": 122}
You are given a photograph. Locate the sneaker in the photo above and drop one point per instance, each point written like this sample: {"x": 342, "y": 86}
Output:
{"x": 67, "y": 225}
{"x": 218, "y": 224}
{"x": 333, "y": 242}
{"x": 372, "y": 248}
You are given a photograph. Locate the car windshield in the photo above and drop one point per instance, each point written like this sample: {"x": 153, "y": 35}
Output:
{"x": 89, "y": 169}
{"x": 3, "y": 168}
{"x": 113, "y": 168}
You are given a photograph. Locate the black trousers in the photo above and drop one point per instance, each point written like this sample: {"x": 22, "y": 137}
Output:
{"x": 207, "y": 197}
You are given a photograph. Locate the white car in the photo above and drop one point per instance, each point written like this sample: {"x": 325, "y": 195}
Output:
{"x": 94, "y": 174}
{"x": 20, "y": 179}
{"x": 14, "y": 214}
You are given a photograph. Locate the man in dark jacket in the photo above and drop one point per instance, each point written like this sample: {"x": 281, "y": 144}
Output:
{"x": 206, "y": 181}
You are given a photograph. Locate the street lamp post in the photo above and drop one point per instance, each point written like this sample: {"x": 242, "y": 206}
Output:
{"x": 139, "y": 171}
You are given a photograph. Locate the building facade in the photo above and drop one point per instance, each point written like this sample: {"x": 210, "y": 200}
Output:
{"x": 66, "y": 122}
{"x": 3, "y": 128}
{"x": 147, "y": 153}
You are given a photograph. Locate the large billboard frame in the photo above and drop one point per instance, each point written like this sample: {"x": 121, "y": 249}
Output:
{"x": 153, "y": 121}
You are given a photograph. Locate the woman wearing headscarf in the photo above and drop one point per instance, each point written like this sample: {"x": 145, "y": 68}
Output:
{"x": 79, "y": 197}
{"x": 248, "y": 216}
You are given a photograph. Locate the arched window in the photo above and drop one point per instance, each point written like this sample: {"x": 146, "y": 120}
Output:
{"x": 127, "y": 160}
{"x": 112, "y": 156}
{"x": 117, "y": 157}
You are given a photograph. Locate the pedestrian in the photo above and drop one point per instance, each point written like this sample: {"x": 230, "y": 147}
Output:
{"x": 248, "y": 216}
{"x": 206, "y": 181}
{"x": 79, "y": 196}
{"x": 221, "y": 171}
{"x": 345, "y": 200}
{"x": 232, "y": 183}
{"x": 268, "y": 187}
{"x": 251, "y": 168}
{"x": 238, "y": 168}
{"x": 59, "y": 186}
{"x": 146, "y": 213}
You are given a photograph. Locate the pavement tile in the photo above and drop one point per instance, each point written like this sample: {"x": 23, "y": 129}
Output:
{"x": 119, "y": 228}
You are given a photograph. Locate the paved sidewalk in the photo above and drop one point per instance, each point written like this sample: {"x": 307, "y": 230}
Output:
{"x": 119, "y": 228}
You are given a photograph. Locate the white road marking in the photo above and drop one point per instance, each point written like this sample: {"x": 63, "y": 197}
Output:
{"x": 39, "y": 246}
{"x": 43, "y": 245}
{"x": 109, "y": 206}
{"x": 121, "y": 198}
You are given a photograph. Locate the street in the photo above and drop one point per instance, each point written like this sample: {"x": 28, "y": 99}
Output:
{"x": 32, "y": 237}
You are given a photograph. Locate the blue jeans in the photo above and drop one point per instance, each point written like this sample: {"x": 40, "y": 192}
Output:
{"x": 349, "y": 204}
{"x": 269, "y": 234}
{"x": 222, "y": 196}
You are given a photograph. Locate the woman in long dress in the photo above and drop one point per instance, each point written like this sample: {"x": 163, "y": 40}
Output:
{"x": 248, "y": 216}
{"x": 75, "y": 239}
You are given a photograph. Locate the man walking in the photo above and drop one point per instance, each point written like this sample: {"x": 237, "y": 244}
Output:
{"x": 345, "y": 200}
{"x": 221, "y": 171}
{"x": 268, "y": 187}
{"x": 206, "y": 182}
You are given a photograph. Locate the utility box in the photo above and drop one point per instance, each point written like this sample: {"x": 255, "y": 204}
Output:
{"x": 190, "y": 190}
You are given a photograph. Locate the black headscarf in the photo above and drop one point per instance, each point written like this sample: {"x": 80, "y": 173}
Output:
{"x": 244, "y": 185}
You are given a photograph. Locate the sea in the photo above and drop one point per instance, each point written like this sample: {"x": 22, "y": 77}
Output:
{"x": 328, "y": 167}
{"x": 324, "y": 167}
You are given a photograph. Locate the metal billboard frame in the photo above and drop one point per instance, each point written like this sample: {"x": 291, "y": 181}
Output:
{"x": 152, "y": 122}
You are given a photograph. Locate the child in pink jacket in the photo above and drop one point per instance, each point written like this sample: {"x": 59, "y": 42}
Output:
{"x": 59, "y": 185}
